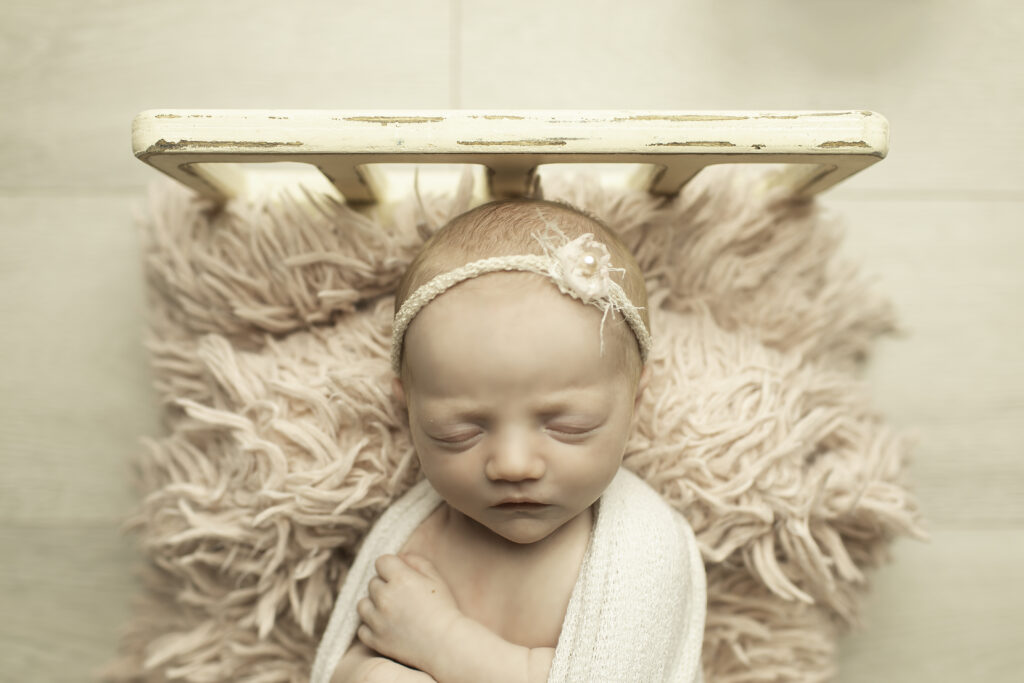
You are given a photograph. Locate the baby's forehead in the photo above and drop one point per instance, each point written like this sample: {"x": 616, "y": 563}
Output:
{"x": 462, "y": 383}
{"x": 501, "y": 313}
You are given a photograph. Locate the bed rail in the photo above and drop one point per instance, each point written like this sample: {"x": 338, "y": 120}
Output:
{"x": 360, "y": 153}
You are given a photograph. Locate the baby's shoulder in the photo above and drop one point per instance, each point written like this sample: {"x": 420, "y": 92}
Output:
{"x": 424, "y": 538}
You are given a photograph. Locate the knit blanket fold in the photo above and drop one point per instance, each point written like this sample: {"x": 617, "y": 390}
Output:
{"x": 637, "y": 609}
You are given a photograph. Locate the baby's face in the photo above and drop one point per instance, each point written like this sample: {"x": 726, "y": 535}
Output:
{"x": 510, "y": 399}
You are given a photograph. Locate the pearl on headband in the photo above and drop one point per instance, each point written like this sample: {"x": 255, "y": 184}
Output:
{"x": 580, "y": 268}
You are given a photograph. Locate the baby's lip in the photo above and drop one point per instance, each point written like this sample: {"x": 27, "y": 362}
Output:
{"x": 517, "y": 500}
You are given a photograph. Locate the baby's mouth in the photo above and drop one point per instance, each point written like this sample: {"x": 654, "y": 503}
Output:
{"x": 521, "y": 504}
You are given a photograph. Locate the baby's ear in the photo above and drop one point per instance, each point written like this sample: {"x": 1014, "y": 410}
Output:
{"x": 641, "y": 386}
{"x": 398, "y": 391}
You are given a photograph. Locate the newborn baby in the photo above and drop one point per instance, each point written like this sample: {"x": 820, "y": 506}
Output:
{"x": 521, "y": 336}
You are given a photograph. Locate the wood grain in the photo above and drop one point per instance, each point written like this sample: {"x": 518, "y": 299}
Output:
{"x": 65, "y": 591}
{"x": 947, "y": 610}
{"x": 75, "y": 390}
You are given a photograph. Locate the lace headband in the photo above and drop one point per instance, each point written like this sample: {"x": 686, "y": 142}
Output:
{"x": 580, "y": 268}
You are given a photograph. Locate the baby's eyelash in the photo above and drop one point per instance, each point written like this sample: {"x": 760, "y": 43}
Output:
{"x": 560, "y": 430}
{"x": 572, "y": 431}
{"x": 461, "y": 437}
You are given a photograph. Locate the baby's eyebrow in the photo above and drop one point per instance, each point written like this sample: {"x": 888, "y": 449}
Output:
{"x": 560, "y": 405}
{"x": 572, "y": 400}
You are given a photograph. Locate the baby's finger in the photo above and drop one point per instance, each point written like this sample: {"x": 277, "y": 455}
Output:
{"x": 388, "y": 566}
{"x": 374, "y": 588}
{"x": 422, "y": 565}
{"x": 366, "y": 636}
{"x": 366, "y": 612}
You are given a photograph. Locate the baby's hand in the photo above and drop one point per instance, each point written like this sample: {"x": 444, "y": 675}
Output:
{"x": 409, "y": 611}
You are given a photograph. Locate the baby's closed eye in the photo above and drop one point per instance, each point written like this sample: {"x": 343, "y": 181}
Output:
{"x": 570, "y": 430}
{"x": 457, "y": 437}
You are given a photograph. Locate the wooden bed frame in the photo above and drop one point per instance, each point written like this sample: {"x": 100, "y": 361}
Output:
{"x": 363, "y": 155}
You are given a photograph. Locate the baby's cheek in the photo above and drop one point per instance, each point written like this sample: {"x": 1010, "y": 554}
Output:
{"x": 451, "y": 475}
{"x": 596, "y": 471}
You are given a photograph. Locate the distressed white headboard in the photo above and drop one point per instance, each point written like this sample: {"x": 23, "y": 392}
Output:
{"x": 209, "y": 150}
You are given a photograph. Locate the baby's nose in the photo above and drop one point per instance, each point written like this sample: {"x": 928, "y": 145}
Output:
{"x": 514, "y": 458}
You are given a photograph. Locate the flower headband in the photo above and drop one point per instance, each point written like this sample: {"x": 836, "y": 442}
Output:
{"x": 580, "y": 268}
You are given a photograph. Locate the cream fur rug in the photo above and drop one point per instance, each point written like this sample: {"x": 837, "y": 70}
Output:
{"x": 270, "y": 328}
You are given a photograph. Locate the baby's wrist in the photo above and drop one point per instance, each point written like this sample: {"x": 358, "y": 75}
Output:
{"x": 446, "y": 659}
{"x": 384, "y": 669}
{"x": 473, "y": 653}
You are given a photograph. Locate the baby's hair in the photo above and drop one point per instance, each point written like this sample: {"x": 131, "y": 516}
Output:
{"x": 506, "y": 227}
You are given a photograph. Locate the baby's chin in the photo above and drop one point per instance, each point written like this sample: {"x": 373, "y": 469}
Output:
{"x": 522, "y": 537}
{"x": 525, "y": 531}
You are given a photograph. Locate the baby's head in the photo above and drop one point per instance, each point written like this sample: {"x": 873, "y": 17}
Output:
{"x": 516, "y": 390}
{"x": 507, "y": 227}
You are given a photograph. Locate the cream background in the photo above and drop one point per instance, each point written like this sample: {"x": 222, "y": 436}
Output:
{"x": 939, "y": 222}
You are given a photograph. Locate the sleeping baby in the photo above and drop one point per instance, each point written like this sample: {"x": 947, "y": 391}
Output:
{"x": 527, "y": 553}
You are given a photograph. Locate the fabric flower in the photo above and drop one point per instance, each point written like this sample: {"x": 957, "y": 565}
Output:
{"x": 582, "y": 268}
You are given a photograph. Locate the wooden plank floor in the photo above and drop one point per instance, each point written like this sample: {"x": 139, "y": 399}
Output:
{"x": 938, "y": 223}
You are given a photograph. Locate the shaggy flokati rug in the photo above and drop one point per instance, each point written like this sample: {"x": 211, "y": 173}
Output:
{"x": 269, "y": 334}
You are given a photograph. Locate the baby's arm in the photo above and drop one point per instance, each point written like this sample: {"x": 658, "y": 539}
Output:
{"x": 479, "y": 654}
{"x": 362, "y": 665}
{"x": 412, "y": 617}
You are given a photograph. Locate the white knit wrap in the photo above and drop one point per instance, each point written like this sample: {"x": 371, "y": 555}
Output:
{"x": 580, "y": 268}
{"x": 637, "y": 609}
